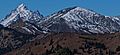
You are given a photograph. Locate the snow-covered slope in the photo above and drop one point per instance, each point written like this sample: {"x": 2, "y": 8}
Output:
{"x": 77, "y": 19}
{"x": 72, "y": 19}
{"x": 23, "y": 19}
{"x": 22, "y": 12}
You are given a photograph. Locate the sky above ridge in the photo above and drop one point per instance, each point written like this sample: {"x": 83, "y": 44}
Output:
{"x": 47, "y": 7}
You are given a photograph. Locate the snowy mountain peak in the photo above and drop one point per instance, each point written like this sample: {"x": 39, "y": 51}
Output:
{"x": 77, "y": 19}
{"x": 78, "y": 10}
{"x": 75, "y": 8}
{"x": 21, "y": 12}
{"x": 21, "y": 7}
{"x": 82, "y": 9}
{"x": 66, "y": 10}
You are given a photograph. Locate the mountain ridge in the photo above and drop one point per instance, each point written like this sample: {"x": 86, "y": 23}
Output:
{"x": 84, "y": 14}
{"x": 72, "y": 26}
{"x": 73, "y": 19}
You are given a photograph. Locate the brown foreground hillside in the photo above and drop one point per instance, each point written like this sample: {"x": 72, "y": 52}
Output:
{"x": 71, "y": 44}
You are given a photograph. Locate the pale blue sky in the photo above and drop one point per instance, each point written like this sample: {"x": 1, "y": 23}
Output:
{"x": 46, "y": 7}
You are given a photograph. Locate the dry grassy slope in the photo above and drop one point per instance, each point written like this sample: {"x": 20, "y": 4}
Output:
{"x": 79, "y": 44}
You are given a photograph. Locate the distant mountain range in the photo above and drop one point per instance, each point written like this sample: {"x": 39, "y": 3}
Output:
{"x": 72, "y": 19}
{"x": 23, "y": 26}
